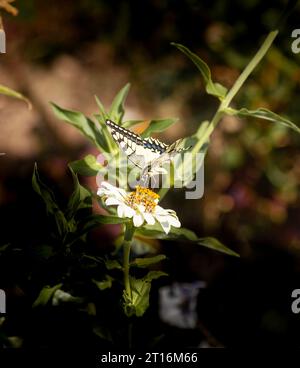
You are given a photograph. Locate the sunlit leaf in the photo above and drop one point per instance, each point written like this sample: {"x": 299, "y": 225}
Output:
{"x": 45, "y": 295}
{"x": 262, "y": 113}
{"x": 157, "y": 126}
{"x": 103, "y": 113}
{"x": 137, "y": 303}
{"x": 130, "y": 123}
{"x": 84, "y": 124}
{"x": 11, "y": 93}
{"x": 154, "y": 231}
{"x": 148, "y": 261}
{"x": 116, "y": 111}
{"x": 88, "y": 166}
{"x": 215, "y": 89}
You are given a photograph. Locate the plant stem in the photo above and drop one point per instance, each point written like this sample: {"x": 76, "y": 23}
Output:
{"x": 236, "y": 87}
{"x": 129, "y": 231}
{"x": 249, "y": 68}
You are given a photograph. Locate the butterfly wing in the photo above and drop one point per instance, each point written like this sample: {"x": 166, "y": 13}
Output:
{"x": 141, "y": 152}
{"x": 149, "y": 154}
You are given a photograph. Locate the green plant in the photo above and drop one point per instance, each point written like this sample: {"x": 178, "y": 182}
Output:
{"x": 73, "y": 223}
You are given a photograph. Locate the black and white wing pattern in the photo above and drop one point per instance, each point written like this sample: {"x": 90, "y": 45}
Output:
{"x": 140, "y": 151}
{"x": 148, "y": 154}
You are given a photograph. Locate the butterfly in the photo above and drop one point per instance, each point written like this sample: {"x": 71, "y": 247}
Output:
{"x": 148, "y": 154}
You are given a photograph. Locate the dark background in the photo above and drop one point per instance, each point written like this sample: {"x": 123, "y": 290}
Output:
{"x": 69, "y": 51}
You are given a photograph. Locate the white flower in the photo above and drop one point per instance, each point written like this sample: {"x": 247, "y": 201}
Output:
{"x": 140, "y": 205}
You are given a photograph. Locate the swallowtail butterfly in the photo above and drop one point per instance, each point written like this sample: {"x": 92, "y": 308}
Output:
{"x": 148, "y": 154}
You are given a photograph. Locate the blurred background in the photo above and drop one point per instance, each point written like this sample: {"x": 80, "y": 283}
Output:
{"x": 67, "y": 52}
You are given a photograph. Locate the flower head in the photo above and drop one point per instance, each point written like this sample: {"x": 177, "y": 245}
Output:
{"x": 141, "y": 205}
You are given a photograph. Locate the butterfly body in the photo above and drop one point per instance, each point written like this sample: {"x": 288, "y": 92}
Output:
{"x": 149, "y": 154}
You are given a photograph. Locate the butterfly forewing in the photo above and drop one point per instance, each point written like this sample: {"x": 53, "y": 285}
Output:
{"x": 140, "y": 151}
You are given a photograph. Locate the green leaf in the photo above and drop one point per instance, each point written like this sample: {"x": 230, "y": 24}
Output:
{"x": 49, "y": 200}
{"x": 88, "y": 166}
{"x": 11, "y": 93}
{"x": 145, "y": 262}
{"x": 116, "y": 111}
{"x": 177, "y": 234}
{"x": 103, "y": 113}
{"x": 104, "y": 284}
{"x": 84, "y": 124}
{"x": 94, "y": 221}
{"x": 265, "y": 114}
{"x": 212, "y": 88}
{"x": 130, "y": 123}
{"x": 138, "y": 302}
{"x": 105, "y": 219}
{"x": 156, "y": 126}
{"x": 112, "y": 264}
{"x": 79, "y": 199}
{"x": 45, "y": 295}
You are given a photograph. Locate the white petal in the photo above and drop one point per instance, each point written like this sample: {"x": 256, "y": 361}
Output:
{"x": 120, "y": 210}
{"x": 110, "y": 190}
{"x": 128, "y": 211}
{"x": 111, "y": 201}
{"x": 100, "y": 192}
{"x": 173, "y": 220}
{"x": 149, "y": 218}
{"x": 138, "y": 220}
{"x": 160, "y": 211}
{"x": 164, "y": 223}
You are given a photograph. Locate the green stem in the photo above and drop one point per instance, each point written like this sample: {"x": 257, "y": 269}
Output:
{"x": 249, "y": 69}
{"x": 129, "y": 231}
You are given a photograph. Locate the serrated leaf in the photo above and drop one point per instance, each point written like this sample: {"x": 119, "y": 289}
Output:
{"x": 104, "y": 284}
{"x": 157, "y": 126}
{"x": 12, "y": 93}
{"x": 82, "y": 123}
{"x": 262, "y": 113}
{"x": 138, "y": 302}
{"x": 88, "y": 166}
{"x": 215, "y": 89}
{"x": 50, "y": 202}
{"x": 116, "y": 111}
{"x": 154, "y": 231}
{"x": 147, "y": 261}
{"x": 45, "y": 295}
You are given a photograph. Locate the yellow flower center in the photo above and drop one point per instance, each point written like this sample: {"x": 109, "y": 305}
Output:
{"x": 142, "y": 196}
